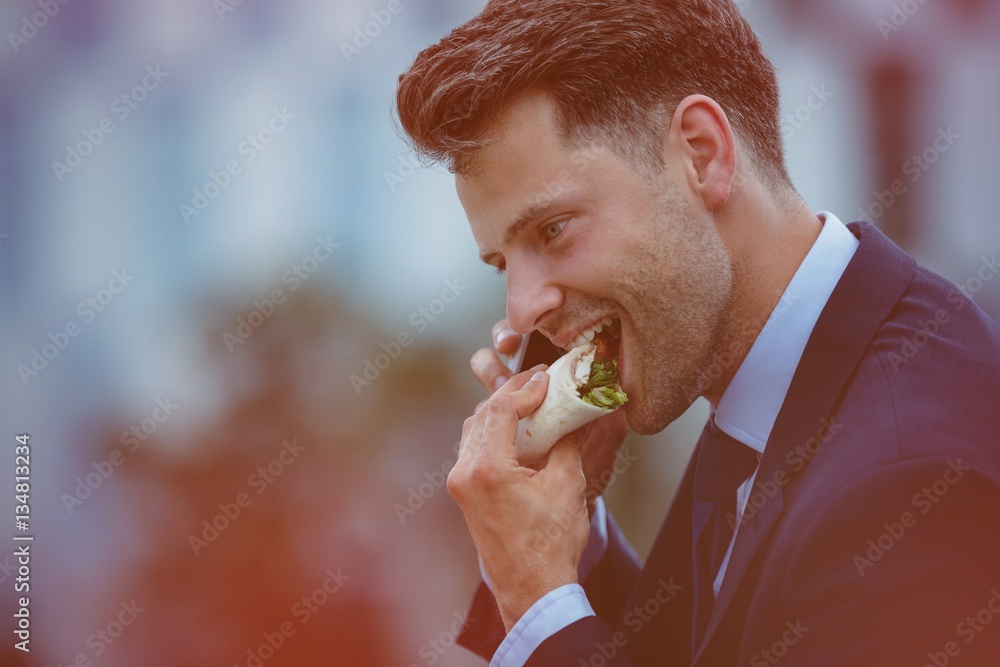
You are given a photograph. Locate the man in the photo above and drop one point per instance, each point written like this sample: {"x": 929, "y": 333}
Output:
{"x": 623, "y": 160}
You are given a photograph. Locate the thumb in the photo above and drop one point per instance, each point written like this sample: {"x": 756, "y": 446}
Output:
{"x": 529, "y": 396}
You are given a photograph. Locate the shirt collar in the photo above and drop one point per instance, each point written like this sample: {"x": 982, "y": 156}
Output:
{"x": 749, "y": 406}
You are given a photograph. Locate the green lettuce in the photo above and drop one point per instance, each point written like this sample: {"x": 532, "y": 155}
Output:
{"x": 602, "y": 389}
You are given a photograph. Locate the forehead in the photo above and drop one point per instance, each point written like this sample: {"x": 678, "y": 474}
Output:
{"x": 524, "y": 160}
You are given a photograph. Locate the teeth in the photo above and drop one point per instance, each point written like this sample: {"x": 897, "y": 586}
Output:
{"x": 587, "y": 336}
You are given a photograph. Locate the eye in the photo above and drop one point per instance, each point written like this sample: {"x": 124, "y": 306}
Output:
{"x": 500, "y": 270}
{"x": 553, "y": 229}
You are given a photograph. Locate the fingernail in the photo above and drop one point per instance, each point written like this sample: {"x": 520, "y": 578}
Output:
{"x": 538, "y": 377}
{"x": 499, "y": 382}
{"x": 503, "y": 335}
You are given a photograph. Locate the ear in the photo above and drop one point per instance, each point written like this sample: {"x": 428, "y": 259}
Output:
{"x": 701, "y": 138}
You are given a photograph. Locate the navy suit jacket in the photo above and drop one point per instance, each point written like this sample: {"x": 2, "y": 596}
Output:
{"x": 872, "y": 536}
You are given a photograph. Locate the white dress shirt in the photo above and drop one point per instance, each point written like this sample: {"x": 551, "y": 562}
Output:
{"x": 746, "y": 411}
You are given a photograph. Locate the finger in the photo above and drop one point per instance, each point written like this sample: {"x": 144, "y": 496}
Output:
{"x": 505, "y": 340}
{"x": 521, "y": 379}
{"x": 526, "y": 390}
{"x": 501, "y": 414}
{"x": 488, "y": 369}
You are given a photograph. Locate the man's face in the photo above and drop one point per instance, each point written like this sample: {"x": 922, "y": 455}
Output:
{"x": 603, "y": 240}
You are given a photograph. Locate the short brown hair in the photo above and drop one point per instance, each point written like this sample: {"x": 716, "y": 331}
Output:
{"x": 616, "y": 69}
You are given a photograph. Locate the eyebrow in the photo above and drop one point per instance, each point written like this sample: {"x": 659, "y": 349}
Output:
{"x": 532, "y": 213}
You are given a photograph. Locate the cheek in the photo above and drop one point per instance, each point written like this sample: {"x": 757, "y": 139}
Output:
{"x": 577, "y": 264}
{"x": 603, "y": 257}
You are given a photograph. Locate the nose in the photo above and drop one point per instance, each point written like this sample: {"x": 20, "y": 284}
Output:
{"x": 531, "y": 295}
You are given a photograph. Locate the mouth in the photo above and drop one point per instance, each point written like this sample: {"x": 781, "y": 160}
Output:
{"x": 605, "y": 336}
{"x": 602, "y": 388}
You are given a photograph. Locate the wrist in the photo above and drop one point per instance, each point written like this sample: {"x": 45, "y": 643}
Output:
{"x": 516, "y": 601}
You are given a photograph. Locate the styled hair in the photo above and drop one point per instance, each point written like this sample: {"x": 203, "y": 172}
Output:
{"x": 616, "y": 69}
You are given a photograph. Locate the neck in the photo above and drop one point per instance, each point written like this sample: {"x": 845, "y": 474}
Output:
{"x": 767, "y": 237}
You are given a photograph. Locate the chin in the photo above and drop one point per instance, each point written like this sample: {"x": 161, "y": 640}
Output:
{"x": 650, "y": 415}
{"x": 644, "y": 421}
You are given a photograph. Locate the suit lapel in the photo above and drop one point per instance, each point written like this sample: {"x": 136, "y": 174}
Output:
{"x": 872, "y": 284}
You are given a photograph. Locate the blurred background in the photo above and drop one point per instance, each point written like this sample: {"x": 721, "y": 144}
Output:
{"x": 237, "y": 315}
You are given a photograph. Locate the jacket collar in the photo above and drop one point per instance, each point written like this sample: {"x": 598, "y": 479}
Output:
{"x": 749, "y": 407}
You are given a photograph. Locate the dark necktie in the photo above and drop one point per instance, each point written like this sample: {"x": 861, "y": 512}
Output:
{"x": 724, "y": 463}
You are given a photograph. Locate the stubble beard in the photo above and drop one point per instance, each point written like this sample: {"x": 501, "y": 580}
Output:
{"x": 680, "y": 317}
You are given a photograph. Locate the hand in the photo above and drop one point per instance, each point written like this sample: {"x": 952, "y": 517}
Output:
{"x": 605, "y": 436}
{"x": 530, "y": 526}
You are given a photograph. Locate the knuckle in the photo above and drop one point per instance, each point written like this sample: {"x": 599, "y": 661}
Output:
{"x": 481, "y": 409}
{"x": 574, "y": 479}
{"x": 500, "y": 326}
{"x": 483, "y": 476}
{"x": 456, "y": 483}
{"x": 482, "y": 361}
{"x": 499, "y": 405}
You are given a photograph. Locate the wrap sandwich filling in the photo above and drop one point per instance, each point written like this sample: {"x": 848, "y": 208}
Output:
{"x": 583, "y": 386}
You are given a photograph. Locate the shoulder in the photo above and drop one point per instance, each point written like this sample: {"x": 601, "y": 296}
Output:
{"x": 940, "y": 404}
{"x": 935, "y": 364}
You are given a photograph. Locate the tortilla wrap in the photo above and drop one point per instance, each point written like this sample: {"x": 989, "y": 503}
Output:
{"x": 562, "y": 411}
